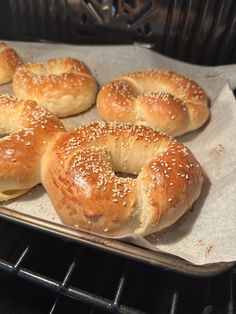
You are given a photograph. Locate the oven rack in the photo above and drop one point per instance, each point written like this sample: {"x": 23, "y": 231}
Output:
{"x": 77, "y": 277}
{"x": 201, "y": 32}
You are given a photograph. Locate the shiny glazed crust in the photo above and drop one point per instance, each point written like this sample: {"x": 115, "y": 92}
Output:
{"x": 79, "y": 172}
{"x": 64, "y": 86}
{"x": 26, "y": 132}
{"x": 9, "y": 61}
{"x": 164, "y": 100}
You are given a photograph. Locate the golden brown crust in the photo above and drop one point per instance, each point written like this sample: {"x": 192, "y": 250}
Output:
{"x": 9, "y": 61}
{"x": 164, "y": 100}
{"x": 64, "y": 86}
{"x": 80, "y": 175}
{"x": 26, "y": 132}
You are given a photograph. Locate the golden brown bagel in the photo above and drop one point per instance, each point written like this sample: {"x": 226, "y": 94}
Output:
{"x": 164, "y": 100}
{"x": 26, "y": 131}
{"x": 64, "y": 86}
{"x": 79, "y": 174}
{"x": 9, "y": 61}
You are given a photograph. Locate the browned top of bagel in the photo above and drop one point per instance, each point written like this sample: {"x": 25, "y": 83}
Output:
{"x": 164, "y": 100}
{"x": 9, "y": 61}
{"x": 65, "y": 86}
{"x": 80, "y": 175}
{"x": 26, "y": 132}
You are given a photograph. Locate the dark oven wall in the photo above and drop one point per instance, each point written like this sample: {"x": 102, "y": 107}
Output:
{"x": 201, "y": 32}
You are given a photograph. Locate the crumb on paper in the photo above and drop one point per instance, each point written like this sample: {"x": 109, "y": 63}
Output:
{"x": 40, "y": 205}
{"x": 200, "y": 242}
{"x": 218, "y": 151}
{"x": 13, "y": 206}
{"x": 209, "y": 250}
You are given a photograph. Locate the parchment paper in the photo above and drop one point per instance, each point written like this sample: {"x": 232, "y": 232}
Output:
{"x": 207, "y": 233}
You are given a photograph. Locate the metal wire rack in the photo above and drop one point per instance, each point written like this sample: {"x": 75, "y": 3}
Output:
{"x": 57, "y": 275}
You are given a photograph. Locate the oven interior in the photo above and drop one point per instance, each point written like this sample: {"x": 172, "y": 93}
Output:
{"x": 42, "y": 273}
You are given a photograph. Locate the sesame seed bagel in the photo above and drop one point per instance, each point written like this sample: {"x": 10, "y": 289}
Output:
{"x": 164, "y": 100}
{"x": 9, "y": 61}
{"x": 26, "y": 130}
{"x": 64, "y": 86}
{"x": 80, "y": 175}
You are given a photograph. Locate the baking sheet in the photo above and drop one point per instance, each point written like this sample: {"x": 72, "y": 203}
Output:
{"x": 107, "y": 62}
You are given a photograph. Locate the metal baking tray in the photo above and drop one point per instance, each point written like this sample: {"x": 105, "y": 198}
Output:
{"x": 210, "y": 76}
{"x": 160, "y": 259}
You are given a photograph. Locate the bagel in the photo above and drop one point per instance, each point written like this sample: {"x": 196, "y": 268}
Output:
{"x": 163, "y": 100}
{"x": 79, "y": 173}
{"x": 26, "y": 131}
{"x": 9, "y": 61}
{"x": 64, "y": 86}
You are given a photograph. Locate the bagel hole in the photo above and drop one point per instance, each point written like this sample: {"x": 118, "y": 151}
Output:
{"x": 126, "y": 175}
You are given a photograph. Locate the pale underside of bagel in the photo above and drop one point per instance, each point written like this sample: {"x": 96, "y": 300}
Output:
{"x": 10, "y": 194}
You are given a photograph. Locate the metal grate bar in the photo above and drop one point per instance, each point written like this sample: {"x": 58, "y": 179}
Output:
{"x": 121, "y": 285}
{"x": 54, "y": 304}
{"x": 62, "y": 288}
{"x": 89, "y": 298}
{"x": 77, "y": 294}
{"x": 94, "y": 11}
{"x": 64, "y": 284}
{"x": 40, "y": 279}
{"x": 174, "y": 302}
{"x": 6, "y": 266}
{"x": 22, "y": 257}
{"x": 69, "y": 273}
{"x": 207, "y": 297}
{"x": 174, "y": 298}
{"x": 230, "y": 308}
{"x": 99, "y": 301}
{"x": 124, "y": 310}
